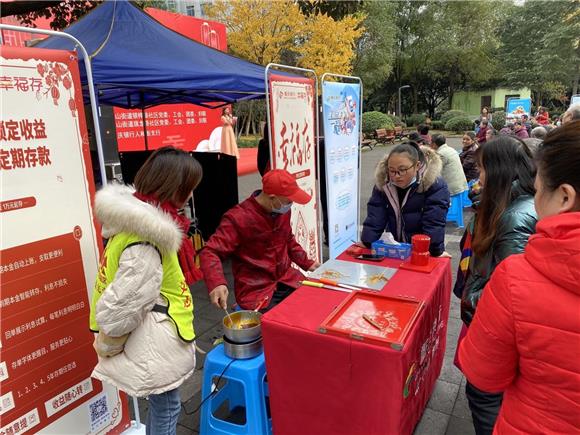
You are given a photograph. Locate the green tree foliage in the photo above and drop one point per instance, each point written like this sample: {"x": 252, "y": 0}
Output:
{"x": 62, "y": 14}
{"x": 540, "y": 47}
{"x": 452, "y": 114}
{"x": 498, "y": 120}
{"x": 375, "y": 49}
{"x": 440, "y": 47}
{"x": 438, "y": 125}
{"x": 459, "y": 124}
{"x": 337, "y": 9}
{"x": 416, "y": 119}
{"x": 372, "y": 121}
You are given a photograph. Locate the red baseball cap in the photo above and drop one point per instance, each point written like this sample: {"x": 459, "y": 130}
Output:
{"x": 281, "y": 183}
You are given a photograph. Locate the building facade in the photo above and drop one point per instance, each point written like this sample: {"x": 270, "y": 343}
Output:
{"x": 471, "y": 102}
{"x": 193, "y": 8}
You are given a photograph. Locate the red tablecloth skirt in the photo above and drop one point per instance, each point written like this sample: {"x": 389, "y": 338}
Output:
{"x": 322, "y": 384}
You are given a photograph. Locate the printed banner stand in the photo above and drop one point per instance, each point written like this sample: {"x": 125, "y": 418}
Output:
{"x": 48, "y": 228}
{"x": 342, "y": 114}
{"x": 575, "y": 99}
{"x": 92, "y": 94}
{"x": 516, "y": 107}
{"x": 292, "y": 107}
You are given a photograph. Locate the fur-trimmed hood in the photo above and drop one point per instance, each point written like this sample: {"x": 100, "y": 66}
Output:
{"x": 427, "y": 174}
{"x": 119, "y": 211}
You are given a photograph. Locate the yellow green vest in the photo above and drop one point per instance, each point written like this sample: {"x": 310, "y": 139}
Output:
{"x": 174, "y": 289}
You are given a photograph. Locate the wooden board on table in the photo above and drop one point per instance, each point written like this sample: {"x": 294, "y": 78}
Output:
{"x": 361, "y": 275}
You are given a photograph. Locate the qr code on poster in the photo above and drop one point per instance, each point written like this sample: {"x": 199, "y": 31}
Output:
{"x": 99, "y": 414}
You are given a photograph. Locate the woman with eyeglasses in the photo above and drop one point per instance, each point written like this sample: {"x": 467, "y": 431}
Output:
{"x": 409, "y": 197}
{"x": 525, "y": 337}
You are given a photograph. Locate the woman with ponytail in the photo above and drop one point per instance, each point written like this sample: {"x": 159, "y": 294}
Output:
{"x": 409, "y": 197}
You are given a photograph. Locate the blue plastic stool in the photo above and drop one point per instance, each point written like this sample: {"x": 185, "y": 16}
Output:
{"x": 455, "y": 212}
{"x": 465, "y": 199}
{"x": 243, "y": 385}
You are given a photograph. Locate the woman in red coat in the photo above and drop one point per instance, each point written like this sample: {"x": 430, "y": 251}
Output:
{"x": 542, "y": 117}
{"x": 525, "y": 337}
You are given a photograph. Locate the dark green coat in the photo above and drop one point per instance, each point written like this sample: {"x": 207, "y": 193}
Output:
{"x": 516, "y": 225}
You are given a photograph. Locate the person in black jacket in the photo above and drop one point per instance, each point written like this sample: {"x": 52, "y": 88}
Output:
{"x": 467, "y": 156}
{"x": 264, "y": 151}
{"x": 504, "y": 221}
{"x": 409, "y": 197}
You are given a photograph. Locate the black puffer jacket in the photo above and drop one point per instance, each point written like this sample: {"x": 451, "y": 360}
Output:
{"x": 424, "y": 210}
{"x": 516, "y": 225}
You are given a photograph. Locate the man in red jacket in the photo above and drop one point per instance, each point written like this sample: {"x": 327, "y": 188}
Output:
{"x": 257, "y": 236}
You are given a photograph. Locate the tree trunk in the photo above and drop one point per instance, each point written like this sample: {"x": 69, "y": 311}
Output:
{"x": 451, "y": 93}
{"x": 576, "y": 80}
{"x": 250, "y": 116}
{"x": 432, "y": 108}
{"x": 240, "y": 125}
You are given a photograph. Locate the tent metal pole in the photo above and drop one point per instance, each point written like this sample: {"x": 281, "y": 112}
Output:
{"x": 92, "y": 94}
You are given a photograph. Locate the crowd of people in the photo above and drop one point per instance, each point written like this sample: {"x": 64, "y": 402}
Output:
{"x": 520, "y": 261}
{"x": 524, "y": 127}
{"x": 517, "y": 280}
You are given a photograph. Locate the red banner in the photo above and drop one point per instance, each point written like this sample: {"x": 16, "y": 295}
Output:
{"x": 294, "y": 148}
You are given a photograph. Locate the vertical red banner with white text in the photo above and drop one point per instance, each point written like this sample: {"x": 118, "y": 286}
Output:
{"x": 49, "y": 252}
{"x": 294, "y": 148}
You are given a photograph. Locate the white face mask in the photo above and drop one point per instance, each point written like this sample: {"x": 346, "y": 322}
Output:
{"x": 283, "y": 209}
{"x": 413, "y": 181}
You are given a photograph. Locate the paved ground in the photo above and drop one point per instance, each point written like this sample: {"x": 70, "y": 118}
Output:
{"x": 447, "y": 412}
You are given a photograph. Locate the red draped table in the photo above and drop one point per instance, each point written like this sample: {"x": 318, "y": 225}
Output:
{"x": 323, "y": 384}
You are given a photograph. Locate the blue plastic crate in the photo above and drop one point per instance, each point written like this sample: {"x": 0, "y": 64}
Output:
{"x": 401, "y": 251}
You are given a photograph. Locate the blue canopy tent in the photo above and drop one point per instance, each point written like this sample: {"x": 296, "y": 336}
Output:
{"x": 137, "y": 62}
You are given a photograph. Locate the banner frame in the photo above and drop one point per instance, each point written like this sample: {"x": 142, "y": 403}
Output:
{"x": 358, "y": 80}
{"x": 301, "y": 71}
{"x": 517, "y": 98}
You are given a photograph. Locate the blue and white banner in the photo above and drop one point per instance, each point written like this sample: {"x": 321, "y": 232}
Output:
{"x": 341, "y": 117}
{"x": 516, "y": 107}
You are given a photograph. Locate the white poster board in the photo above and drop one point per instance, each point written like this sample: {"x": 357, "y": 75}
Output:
{"x": 341, "y": 117}
{"x": 49, "y": 253}
{"x": 293, "y": 148}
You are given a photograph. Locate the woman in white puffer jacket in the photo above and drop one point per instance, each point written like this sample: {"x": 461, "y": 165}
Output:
{"x": 141, "y": 306}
